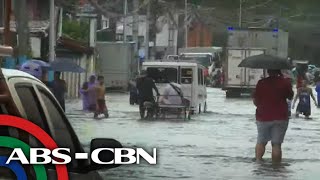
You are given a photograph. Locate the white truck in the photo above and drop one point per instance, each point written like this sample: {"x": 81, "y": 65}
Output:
{"x": 116, "y": 63}
{"x": 236, "y": 79}
{"x": 243, "y": 43}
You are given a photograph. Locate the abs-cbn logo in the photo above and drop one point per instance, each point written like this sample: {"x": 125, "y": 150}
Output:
{"x": 62, "y": 156}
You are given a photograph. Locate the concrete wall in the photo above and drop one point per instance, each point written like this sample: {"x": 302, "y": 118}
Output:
{"x": 36, "y": 47}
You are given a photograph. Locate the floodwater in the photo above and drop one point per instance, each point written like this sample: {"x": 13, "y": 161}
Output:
{"x": 216, "y": 145}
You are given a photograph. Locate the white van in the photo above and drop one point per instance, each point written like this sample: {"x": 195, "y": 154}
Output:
{"x": 32, "y": 100}
{"x": 189, "y": 74}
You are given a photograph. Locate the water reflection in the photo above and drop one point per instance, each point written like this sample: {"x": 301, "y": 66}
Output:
{"x": 217, "y": 145}
{"x": 269, "y": 169}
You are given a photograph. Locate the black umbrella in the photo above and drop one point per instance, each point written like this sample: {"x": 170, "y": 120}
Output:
{"x": 66, "y": 66}
{"x": 263, "y": 61}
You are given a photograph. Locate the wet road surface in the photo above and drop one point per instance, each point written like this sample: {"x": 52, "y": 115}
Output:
{"x": 216, "y": 145}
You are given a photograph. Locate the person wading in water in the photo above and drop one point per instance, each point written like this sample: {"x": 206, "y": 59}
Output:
{"x": 270, "y": 98}
{"x": 92, "y": 93}
{"x": 145, "y": 86}
{"x": 59, "y": 88}
{"x": 101, "y": 107}
{"x": 304, "y": 106}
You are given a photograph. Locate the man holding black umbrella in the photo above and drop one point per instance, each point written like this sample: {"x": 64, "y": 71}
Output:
{"x": 272, "y": 118}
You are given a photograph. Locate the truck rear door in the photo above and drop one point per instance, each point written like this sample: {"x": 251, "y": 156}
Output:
{"x": 253, "y": 75}
{"x": 235, "y": 74}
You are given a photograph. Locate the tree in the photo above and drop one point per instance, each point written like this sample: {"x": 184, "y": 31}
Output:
{"x": 78, "y": 30}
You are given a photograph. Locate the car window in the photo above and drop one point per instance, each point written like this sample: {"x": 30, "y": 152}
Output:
{"x": 200, "y": 76}
{"x": 160, "y": 75}
{"x": 186, "y": 75}
{"x": 61, "y": 133}
{"x": 31, "y": 105}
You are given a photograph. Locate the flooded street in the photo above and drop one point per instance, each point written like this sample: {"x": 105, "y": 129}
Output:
{"x": 215, "y": 145}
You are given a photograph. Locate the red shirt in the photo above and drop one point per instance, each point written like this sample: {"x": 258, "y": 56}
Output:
{"x": 270, "y": 97}
{"x": 299, "y": 82}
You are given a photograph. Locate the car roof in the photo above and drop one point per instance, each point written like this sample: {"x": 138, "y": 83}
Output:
{"x": 10, "y": 73}
{"x": 171, "y": 64}
{"x": 190, "y": 53}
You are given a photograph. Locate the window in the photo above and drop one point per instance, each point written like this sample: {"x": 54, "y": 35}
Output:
{"x": 31, "y": 105}
{"x": 104, "y": 22}
{"x": 61, "y": 133}
{"x": 161, "y": 75}
{"x": 200, "y": 76}
{"x": 204, "y": 60}
{"x": 186, "y": 75}
{"x": 119, "y": 37}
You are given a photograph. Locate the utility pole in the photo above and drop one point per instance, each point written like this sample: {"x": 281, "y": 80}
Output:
{"x": 185, "y": 21}
{"x": 60, "y": 22}
{"x": 52, "y": 38}
{"x": 22, "y": 29}
{"x": 7, "y": 37}
{"x": 125, "y": 9}
{"x": 240, "y": 14}
{"x": 135, "y": 31}
{"x": 146, "y": 41}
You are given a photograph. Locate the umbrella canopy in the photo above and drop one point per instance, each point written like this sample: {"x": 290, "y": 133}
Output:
{"x": 263, "y": 61}
{"x": 40, "y": 63}
{"x": 32, "y": 68}
{"x": 66, "y": 66}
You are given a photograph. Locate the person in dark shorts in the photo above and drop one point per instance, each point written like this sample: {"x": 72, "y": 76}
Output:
{"x": 270, "y": 98}
{"x": 101, "y": 107}
{"x": 304, "y": 106}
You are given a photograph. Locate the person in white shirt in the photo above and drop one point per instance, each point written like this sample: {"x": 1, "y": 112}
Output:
{"x": 170, "y": 95}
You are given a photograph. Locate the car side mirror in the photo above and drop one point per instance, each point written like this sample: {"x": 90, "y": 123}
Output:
{"x": 104, "y": 156}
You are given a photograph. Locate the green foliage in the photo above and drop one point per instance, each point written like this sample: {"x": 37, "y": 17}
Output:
{"x": 78, "y": 30}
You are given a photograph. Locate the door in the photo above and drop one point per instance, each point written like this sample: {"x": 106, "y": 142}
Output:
{"x": 201, "y": 87}
{"x": 187, "y": 80}
{"x": 253, "y": 75}
{"x": 235, "y": 74}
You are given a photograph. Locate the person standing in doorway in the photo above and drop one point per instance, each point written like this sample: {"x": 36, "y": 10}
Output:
{"x": 59, "y": 88}
{"x": 270, "y": 98}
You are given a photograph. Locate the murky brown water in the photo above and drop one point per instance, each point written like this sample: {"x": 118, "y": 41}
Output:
{"x": 216, "y": 145}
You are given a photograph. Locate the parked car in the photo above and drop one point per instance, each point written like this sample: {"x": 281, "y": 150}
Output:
{"x": 34, "y": 101}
